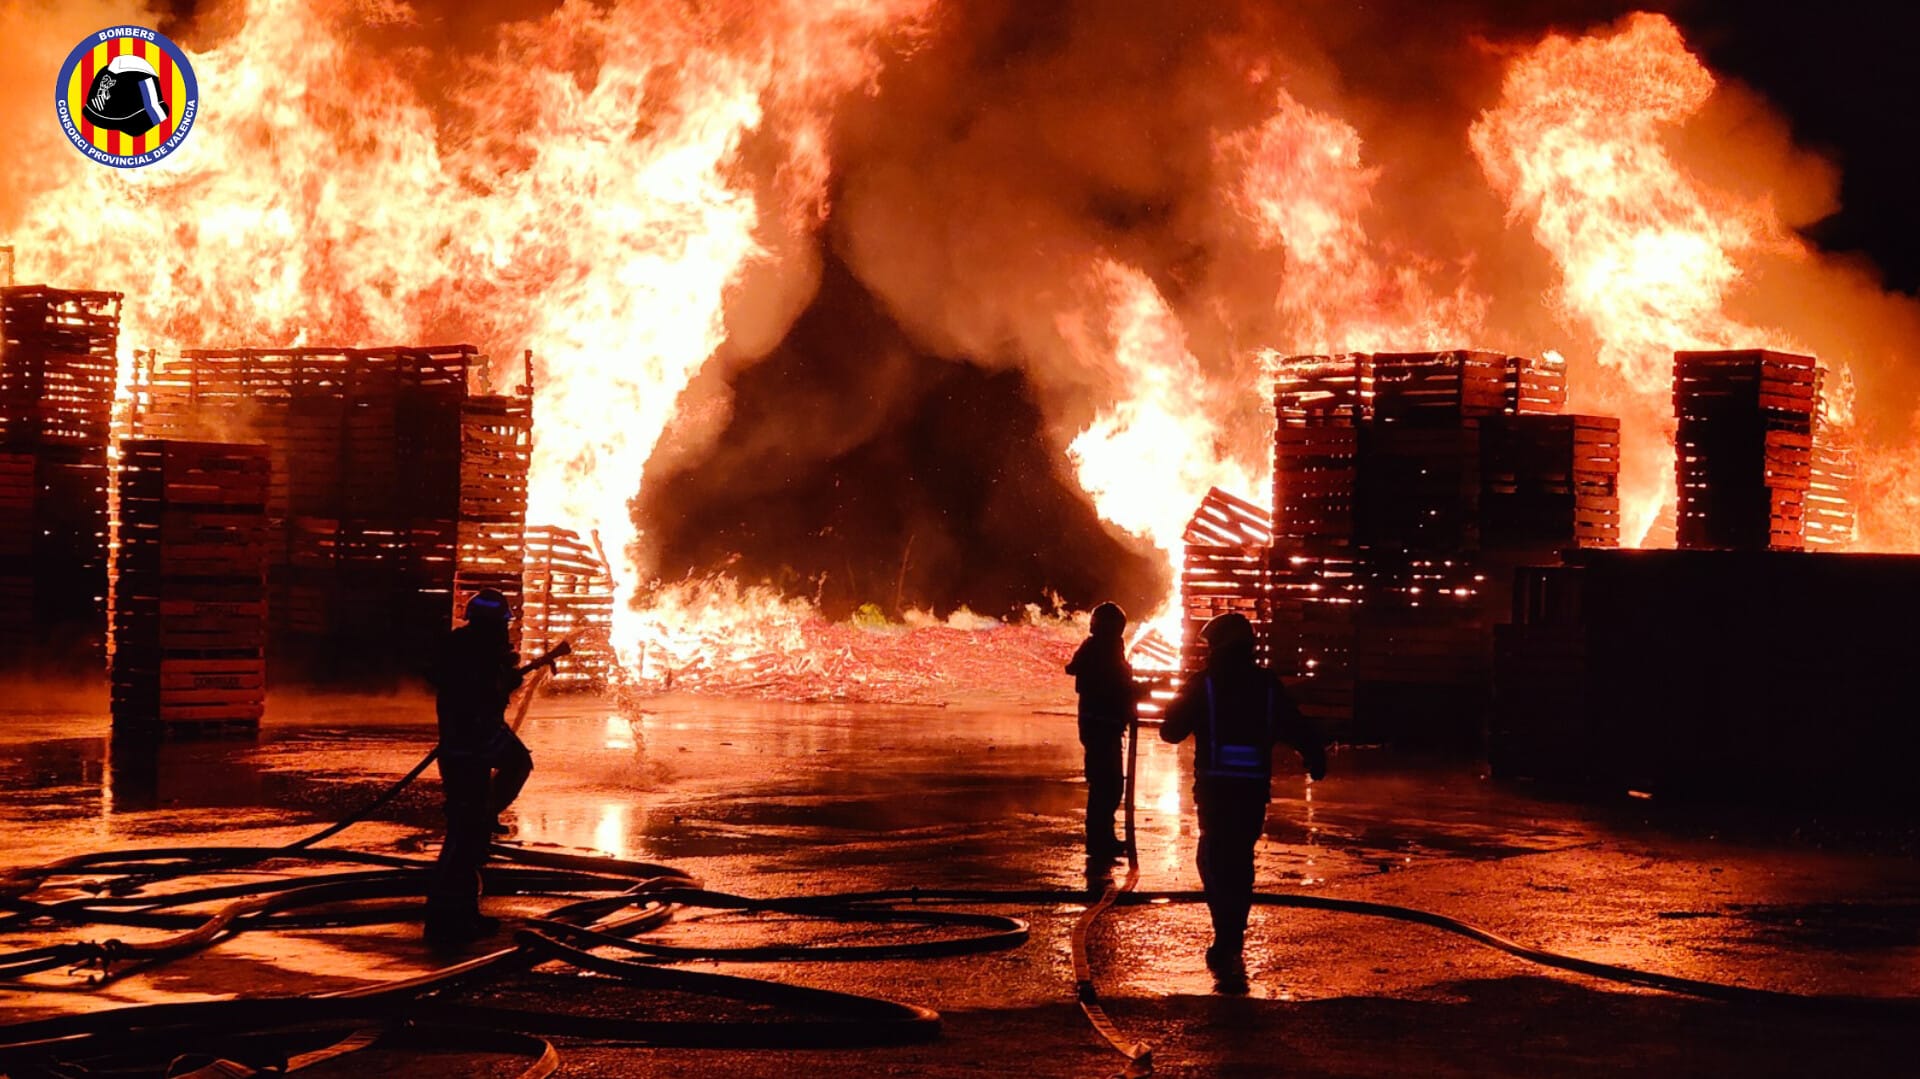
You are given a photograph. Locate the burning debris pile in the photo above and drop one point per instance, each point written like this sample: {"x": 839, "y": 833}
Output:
{"x": 1227, "y": 544}
{"x": 57, "y": 370}
{"x": 1126, "y": 210}
{"x": 923, "y": 662}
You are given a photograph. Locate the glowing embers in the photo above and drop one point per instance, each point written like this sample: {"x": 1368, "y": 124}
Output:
{"x": 57, "y": 375}
{"x": 1744, "y": 447}
{"x": 568, "y": 596}
{"x": 189, "y": 597}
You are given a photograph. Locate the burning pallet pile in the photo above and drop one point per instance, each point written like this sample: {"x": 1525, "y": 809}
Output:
{"x": 395, "y": 491}
{"x": 569, "y": 597}
{"x": 1758, "y": 469}
{"x": 1407, "y": 487}
{"x": 57, "y": 377}
{"x": 189, "y": 600}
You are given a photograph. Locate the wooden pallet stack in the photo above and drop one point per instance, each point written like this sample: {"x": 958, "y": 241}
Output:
{"x": 1830, "y": 512}
{"x": 1322, "y": 404}
{"x": 1542, "y": 722}
{"x": 189, "y": 605}
{"x": 1547, "y": 480}
{"x": 1429, "y": 388}
{"x": 1748, "y": 675}
{"x": 1536, "y": 385}
{"x": 58, "y": 366}
{"x": 17, "y": 538}
{"x": 395, "y": 491}
{"x": 1401, "y": 513}
{"x": 1743, "y": 448}
{"x": 496, "y": 450}
{"x": 569, "y": 596}
{"x": 1224, "y": 569}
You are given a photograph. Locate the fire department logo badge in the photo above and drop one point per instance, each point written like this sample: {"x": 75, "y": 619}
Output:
{"x": 126, "y": 97}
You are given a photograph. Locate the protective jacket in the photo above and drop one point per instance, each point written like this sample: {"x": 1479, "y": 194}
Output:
{"x": 1237, "y": 712}
{"x": 473, "y": 679}
{"x": 1104, "y": 680}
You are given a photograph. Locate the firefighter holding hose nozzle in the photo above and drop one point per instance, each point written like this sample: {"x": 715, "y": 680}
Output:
{"x": 483, "y": 764}
{"x": 1104, "y": 681}
{"x": 1236, "y": 711}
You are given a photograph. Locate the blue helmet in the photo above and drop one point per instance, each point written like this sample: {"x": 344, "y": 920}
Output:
{"x": 489, "y": 605}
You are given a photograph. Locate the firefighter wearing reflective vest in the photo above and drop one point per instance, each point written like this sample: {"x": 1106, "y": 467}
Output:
{"x": 1236, "y": 711}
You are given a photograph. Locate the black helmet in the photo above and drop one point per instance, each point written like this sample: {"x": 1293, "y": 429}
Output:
{"x": 1228, "y": 632}
{"x": 489, "y": 605}
{"x": 1107, "y": 618}
{"x": 125, "y": 96}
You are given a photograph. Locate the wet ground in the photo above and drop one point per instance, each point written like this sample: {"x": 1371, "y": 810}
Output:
{"x": 769, "y": 799}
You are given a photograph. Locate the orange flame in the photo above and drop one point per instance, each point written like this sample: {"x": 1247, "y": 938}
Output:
{"x": 1303, "y": 188}
{"x": 1147, "y": 460}
{"x": 614, "y": 184}
{"x": 600, "y": 209}
{"x": 1648, "y": 255}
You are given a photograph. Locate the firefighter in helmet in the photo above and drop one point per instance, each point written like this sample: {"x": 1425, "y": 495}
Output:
{"x": 1104, "y": 681}
{"x": 1236, "y": 711}
{"x": 483, "y": 764}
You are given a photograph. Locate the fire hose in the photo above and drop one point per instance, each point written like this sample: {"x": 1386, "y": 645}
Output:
{"x": 612, "y": 902}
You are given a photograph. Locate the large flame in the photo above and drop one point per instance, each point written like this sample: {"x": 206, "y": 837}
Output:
{"x": 1144, "y": 458}
{"x": 621, "y": 188}
{"x": 1305, "y": 191}
{"x": 1648, "y": 255}
{"x": 587, "y": 195}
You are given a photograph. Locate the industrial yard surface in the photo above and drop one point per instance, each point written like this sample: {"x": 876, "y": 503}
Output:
{"x": 770, "y": 800}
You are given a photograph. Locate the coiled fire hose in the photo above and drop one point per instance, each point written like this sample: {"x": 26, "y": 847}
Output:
{"x": 613, "y": 902}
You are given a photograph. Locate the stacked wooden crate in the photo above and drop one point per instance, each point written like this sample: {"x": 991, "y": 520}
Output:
{"x": 1743, "y": 448}
{"x": 17, "y": 537}
{"x": 569, "y": 597}
{"x": 1422, "y": 639}
{"x": 1321, "y": 406}
{"x": 1775, "y": 676}
{"x": 1542, "y": 720}
{"x": 496, "y": 450}
{"x": 1224, "y": 570}
{"x": 1830, "y": 512}
{"x": 1536, "y": 385}
{"x": 395, "y": 491}
{"x": 189, "y": 606}
{"x": 1550, "y": 479}
{"x": 1402, "y": 511}
{"x": 58, "y": 367}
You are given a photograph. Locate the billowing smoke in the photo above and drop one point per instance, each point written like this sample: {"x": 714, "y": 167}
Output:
{"x": 924, "y": 304}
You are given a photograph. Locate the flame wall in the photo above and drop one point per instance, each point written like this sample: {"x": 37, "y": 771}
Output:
{"x": 1118, "y": 205}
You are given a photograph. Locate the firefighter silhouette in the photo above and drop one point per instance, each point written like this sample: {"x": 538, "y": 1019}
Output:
{"x": 125, "y": 97}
